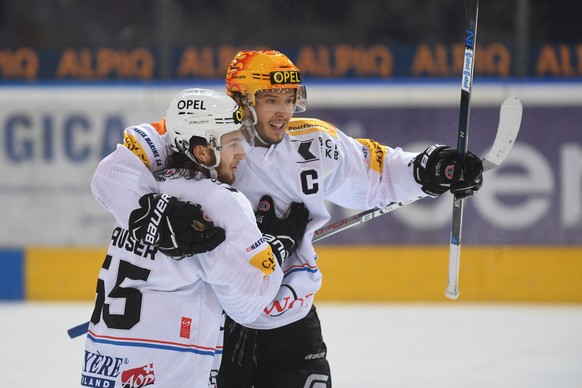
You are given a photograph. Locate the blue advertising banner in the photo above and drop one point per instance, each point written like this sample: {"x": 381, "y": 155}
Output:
{"x": 496, "y": 60}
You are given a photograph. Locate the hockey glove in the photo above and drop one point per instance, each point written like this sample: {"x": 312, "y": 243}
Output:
{"x": 283, "y": 234}
{"x": 177, "y": 228}
{"x": 438, "y": 171}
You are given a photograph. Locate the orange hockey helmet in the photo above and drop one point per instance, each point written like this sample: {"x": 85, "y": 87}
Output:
{"x": 253, "y": 71}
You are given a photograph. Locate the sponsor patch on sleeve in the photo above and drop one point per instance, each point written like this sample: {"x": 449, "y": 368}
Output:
{"x": 131, "y": 143}
{"x": 377, "y": 153}
{"x": 264, "y": 261}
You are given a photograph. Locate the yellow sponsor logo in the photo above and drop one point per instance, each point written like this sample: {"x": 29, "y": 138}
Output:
{"x": 305, "y": 126}
{"x": 377, "y": 153}
{"x": 285, "y": 77}
{"x": 264, "y": 261}
{"x": 130, "y": 142}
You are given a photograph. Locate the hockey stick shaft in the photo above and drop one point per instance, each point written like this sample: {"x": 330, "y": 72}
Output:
{"x": 472, "y": 9}
{"x": 507, "y": 131}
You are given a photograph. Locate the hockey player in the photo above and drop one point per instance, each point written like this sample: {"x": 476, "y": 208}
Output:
{"x": 157, "y": 320}
{"x": 307, "y": 160}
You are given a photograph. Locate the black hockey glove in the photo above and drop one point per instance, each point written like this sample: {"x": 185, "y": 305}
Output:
{"x": 438, "y": 171}
{"x": 283, "y": 234}
{"x": 177, "y": 228}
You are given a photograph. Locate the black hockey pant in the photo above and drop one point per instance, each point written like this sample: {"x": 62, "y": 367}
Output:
{"x": 292, "y": 356}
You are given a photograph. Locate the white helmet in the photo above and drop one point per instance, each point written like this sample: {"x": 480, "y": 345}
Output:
{"x": 204, "y": 113}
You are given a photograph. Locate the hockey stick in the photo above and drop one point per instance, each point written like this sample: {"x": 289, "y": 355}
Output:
{"x": 78, "y": 330}
{"x": 507, "y": 130}
{"x": 472, "y": 9}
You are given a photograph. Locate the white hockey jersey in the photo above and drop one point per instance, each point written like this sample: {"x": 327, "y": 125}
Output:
{"x": 158, "y": 320}
{"x": 314, "y": 162}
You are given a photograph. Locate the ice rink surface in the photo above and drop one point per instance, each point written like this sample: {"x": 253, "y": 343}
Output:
{"x": 369, "y": 345}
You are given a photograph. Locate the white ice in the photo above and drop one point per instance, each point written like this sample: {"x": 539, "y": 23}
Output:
{"x": 369, "y": 345}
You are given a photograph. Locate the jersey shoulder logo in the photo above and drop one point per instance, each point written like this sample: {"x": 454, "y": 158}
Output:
{"x": 305, "y": 126}
{"x": 377, "y": 152}
{"x": 264, "y": 261}
{"x": 131, "y": 143}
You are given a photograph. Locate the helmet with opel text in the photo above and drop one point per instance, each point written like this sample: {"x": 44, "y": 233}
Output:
{"x": 202, "y": 113}
{"x": 254, "y": 71}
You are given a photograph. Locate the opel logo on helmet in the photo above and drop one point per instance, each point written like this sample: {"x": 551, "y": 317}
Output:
{"x": 285, "y": 77}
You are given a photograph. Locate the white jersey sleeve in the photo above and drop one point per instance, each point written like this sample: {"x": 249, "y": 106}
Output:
{"x": 125, "y": 175}
{"x": 242, "y": 271}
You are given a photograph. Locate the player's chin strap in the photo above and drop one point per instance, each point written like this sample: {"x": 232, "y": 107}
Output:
{"x": 251, "y": 124}
{"x": 211, "y": 169}
{"x": 213, "y": 174}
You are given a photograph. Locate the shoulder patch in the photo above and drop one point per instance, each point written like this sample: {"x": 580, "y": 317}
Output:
{"x": 264, "y": 261}
{"x": 304, "y": 126}
{"x": 131, "y": 143}
{"x": 377, "y": 153}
